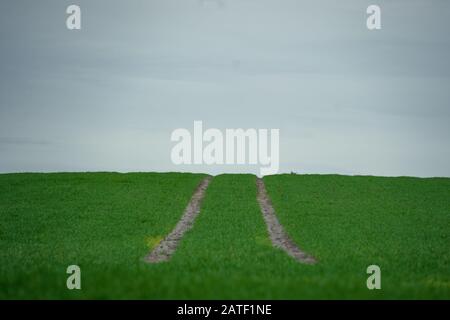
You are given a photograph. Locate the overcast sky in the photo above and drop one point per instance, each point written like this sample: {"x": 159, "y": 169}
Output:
{"x": 107, "y": 97}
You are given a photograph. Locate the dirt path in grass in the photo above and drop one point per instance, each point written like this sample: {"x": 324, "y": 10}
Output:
{"x": 278, "y": 236}
{"x": 165, "y": 249}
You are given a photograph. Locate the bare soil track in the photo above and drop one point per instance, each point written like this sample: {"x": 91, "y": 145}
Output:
{"x": 278, "y": 236}
{"x": 165, "y": 249}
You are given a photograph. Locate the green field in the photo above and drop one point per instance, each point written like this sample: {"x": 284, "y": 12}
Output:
{"x": 107, "y": 223}
{"x": 400, "y": 224}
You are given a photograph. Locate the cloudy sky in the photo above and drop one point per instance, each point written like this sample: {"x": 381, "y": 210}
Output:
{"x": 107, "y": 97}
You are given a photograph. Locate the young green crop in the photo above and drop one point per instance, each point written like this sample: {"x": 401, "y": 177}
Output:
{"x": 103, "y": 222}
{"x": 107, "y": 223}
{"x": 348, "y": 223}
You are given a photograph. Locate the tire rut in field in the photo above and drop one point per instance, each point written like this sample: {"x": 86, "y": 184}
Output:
{"x": 165, "y": 249}
{"x": 278, "y": 236}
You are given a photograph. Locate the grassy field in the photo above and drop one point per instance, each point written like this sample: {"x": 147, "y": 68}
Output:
{"x": 106, "y": 223}
{"x": 103, "y": 222}
{"x": 400, "y": 224}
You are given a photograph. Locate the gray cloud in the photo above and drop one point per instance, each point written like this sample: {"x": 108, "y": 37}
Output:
{"x": 22, "y": 141}
{"x": 107, "y": 97}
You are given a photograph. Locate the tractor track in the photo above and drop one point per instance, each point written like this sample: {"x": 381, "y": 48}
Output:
{"x": 166, "y": 248}
{"x": 278, "y": 236}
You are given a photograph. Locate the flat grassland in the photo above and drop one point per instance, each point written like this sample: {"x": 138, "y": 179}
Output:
{"x": 103, "y": 222}
{"x": 400, "y": 224}
{"x": 107, "y": 223}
